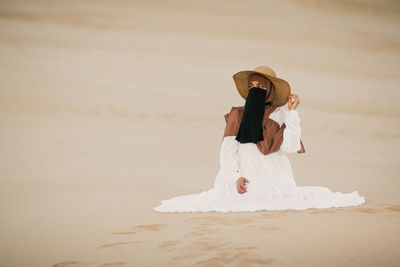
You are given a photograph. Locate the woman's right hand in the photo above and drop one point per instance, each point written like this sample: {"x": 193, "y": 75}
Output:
{"x": 241, "y": 186}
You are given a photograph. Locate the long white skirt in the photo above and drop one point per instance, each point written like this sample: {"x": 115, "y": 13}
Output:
{"x": 271, "y": 187}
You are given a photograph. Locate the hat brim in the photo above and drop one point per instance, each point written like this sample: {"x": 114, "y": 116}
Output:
{"x": 282, "y": 87}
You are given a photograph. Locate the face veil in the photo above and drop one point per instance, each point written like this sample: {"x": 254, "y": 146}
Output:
{"x": 250, "y": 129}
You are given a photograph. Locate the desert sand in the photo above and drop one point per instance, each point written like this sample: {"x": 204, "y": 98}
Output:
{"x": 109, "y": 107}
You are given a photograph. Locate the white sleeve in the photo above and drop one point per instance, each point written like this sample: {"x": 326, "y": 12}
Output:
{"x": 228, "y": 159}
{"x": 292, "y": 132}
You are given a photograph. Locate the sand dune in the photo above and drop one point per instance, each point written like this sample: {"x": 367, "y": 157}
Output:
{"x": 100, "y": 101}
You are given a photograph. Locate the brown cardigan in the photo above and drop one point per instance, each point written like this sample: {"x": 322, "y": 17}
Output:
{"x": 272, "y": 131}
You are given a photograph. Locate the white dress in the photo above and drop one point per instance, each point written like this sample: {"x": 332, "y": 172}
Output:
{"x": 271, "y": 183}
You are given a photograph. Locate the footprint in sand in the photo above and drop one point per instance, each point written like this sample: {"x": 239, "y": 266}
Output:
{"x": 190, "y": 255}
{"x": 215, "y": 261}
{"x": 66, "y": 263}
{"x": 205, "y": 239}
{"x": 212, "y": 220}
{"x": 243, "y": 220}
{"x": 243, "y": 256}
{"x": 209, "y": 220}
{"x": 221, "y": 261}
{"x": 211, "y": 245}
{"x": 169, "y": 243}
{"x": 390, "y": 207}
{"x": 394, "y": 208}
{"x": 225, "y": 252}
{"x": 118, "y": 263}
{"x": 141, "y": 228}
{"x": 201, "y": 230}
{"x": 194, "y": 234}
{"x": 152, "y": 227}
{"x": 367, "y": 210}
{"x": 122, "y": 243}
{"x": 269, "y": 215}
{"x": 265, "y": 228}
{"x": 322, "y": 211}
{"x": 127, "y": 233}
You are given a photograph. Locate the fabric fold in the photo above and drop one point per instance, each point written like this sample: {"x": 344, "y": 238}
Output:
{"x": 229, "y": 162}
{"x": 292, "y": 133}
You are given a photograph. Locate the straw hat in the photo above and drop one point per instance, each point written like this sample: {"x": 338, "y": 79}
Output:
{"x": 282, "y": 87}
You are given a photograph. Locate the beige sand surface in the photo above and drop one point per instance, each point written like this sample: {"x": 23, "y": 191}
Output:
{"x": 108, "y": 107}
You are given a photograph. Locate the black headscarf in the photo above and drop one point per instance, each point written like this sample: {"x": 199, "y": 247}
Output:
{"x": 250, "y": 130}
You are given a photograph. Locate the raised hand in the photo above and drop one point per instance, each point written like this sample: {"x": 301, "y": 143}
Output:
{"x": 293, "y": 105}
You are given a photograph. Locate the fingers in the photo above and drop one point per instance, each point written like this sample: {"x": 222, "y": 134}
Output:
{"x": 293, "y": 105}
{"x": 241, "y": 187}
{"x": 295, "y": 96}
{"x": 240, "y": 190}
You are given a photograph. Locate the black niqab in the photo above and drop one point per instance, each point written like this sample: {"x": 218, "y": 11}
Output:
{"x": 250, "y": 130}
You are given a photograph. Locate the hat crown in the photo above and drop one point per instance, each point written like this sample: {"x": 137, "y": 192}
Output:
{"x": 266, "y": 70}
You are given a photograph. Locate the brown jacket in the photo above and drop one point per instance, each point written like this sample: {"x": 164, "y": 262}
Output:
{"x": 272, "y": 131}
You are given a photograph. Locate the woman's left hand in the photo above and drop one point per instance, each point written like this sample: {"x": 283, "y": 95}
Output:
{"x": 293, "y": 105}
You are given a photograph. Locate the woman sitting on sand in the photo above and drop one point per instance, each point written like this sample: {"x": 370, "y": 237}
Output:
{"x": 255, "y": 172}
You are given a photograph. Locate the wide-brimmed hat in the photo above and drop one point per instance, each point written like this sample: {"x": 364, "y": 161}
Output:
{"x": 282, "y": 87}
